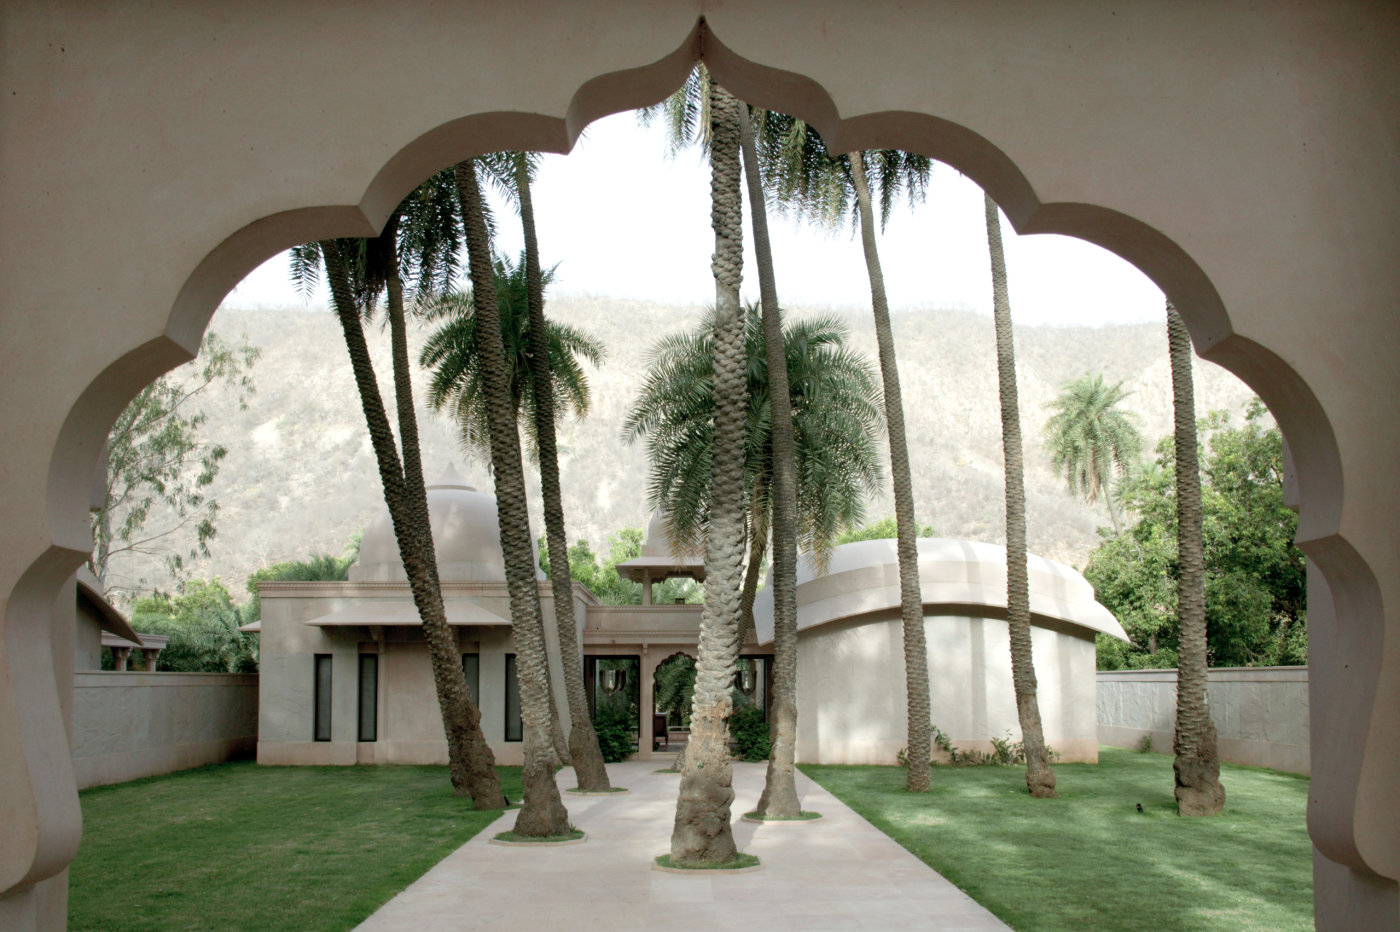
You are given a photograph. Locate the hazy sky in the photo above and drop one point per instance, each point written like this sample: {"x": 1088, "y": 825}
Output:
{"x": 623, "y": 219}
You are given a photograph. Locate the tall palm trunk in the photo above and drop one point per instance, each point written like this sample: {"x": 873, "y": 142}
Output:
{"x": 1197, "y": 764}
{"x": 584, "y": 753}
{"x": 779, "y": 798}
{"x": 1040, "y": 779}
{"x": 470, "y": 762}
{"x": 702, "y": 833}
{"x": 910, "y": 601}
{"x": 543, "y": 812}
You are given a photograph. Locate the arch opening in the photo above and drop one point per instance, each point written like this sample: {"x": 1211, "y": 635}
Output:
{"x": 1359, "y": 616}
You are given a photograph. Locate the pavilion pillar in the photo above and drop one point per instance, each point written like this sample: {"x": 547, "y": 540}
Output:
{"x": 646, "y": 588}
{"x": 646, "y": 701}
{"x": 149, "y": 655}
{"x": 119, "y": 658}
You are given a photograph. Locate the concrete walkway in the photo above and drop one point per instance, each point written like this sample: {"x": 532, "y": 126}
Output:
{"x": 838, "y": 873}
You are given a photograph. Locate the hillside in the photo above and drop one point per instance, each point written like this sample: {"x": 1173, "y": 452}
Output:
{"x": 300, "y": 476}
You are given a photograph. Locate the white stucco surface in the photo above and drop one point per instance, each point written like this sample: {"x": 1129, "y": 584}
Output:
{"x": 1260, "y": 713}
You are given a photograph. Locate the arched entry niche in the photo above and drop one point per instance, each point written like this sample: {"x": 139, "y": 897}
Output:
{"x": 932, "y": 102}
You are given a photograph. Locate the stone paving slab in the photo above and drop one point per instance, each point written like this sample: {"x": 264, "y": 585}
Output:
{"x": 837, "y": 873}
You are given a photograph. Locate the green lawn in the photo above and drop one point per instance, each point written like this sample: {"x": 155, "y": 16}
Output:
{"x": 1089, "y": 860}
{"x": 238, "y": 846}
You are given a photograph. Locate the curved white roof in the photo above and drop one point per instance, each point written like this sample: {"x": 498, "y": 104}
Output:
{"x": 466, "y": 537}
{"x": 955, "y": 576}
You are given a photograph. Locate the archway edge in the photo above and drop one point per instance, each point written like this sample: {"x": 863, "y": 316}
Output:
{"x": 1360, "y": 277}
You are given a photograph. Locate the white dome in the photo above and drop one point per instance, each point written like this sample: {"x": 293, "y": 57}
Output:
{"x": 863, "y": 577}
{"x": 466, "y": 536}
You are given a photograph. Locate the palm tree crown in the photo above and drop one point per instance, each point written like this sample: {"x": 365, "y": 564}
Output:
{"x": 451, "y": 353}
{"x": 835, "y": 414}
{"x": 1089, "y": 438}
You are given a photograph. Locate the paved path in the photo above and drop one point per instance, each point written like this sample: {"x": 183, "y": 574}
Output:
{"x": 839, "y": 873}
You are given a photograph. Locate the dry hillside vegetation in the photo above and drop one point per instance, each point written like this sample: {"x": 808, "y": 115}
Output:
{"x": 300, "y": 477}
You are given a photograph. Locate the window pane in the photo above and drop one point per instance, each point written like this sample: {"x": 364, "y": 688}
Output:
{"x": 323, "y": 697}
{"x": 514, "y": 730}
{"x": 471, "y": 666}
{"x": 369, "y": 697}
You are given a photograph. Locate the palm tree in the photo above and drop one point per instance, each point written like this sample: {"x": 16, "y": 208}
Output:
{"x": 823, "y": 187}
{"x": 450, "y": 352}
{"x": 779, "y": 798}
{"x": 1089, "y": 439}
{"x": 584, "y": 753}
{"x": 471, "y": 763}
{"x": 1040, "y": 779}
{"x": 1197, "y": 764}
{"x": 543, "y": 811}
{"x": 702, "y": 834}
{"x": 835, "y": 404}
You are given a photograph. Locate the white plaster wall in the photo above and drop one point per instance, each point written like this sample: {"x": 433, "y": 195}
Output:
{"x": 130, "y": 725}
{"x": 852, "y": 697}
{"x": 410, "y": 724}
{"x": 1260, "y": 713}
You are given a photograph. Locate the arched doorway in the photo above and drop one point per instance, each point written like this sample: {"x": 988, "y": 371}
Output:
{"x": 1251, "y": 214}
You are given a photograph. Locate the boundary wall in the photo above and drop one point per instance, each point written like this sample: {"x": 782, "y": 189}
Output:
{"x": 131, "y": 725}
{"x": 1260, "y": 713}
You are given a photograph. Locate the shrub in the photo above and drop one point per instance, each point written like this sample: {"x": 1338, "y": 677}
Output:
{"x": 614, "y": 728}
{"x": 749, "y": 732}
{"x": 1004, "y": 752}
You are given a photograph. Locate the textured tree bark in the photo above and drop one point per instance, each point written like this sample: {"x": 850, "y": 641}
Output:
{"x": 1197, "y": 764}
{"x": 702, "y": 833}
{"x": 911, "y": 607}
{"x": 542, "y": 812}
{"x": 779, "y": 798}
{"x": 471, "y": 764}
{"x": 1040, "y": 779}
{"x": 584, "y": 753}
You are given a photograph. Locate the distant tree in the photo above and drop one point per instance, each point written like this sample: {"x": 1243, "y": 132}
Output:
{"x": 320, "y": 568}
{"x": 884, "y": 529}
{"x": 1091, "y": 440}
{"x": 202, "y": 623}
{"x": 599, "y": 573}
{"x": 1255, "y": 577}
{"x": 159, "y": 468}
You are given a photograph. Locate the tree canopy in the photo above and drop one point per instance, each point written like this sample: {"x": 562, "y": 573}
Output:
{"x": 158, "y": 459}
{"x": 1256, "y": 590}
{"x": 835, "y": 406}
{"x": 599, "y": 572}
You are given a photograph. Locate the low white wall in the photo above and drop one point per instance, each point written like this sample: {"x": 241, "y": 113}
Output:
{"x": 1260, "y": 713}
{"x": 130, "y": 725}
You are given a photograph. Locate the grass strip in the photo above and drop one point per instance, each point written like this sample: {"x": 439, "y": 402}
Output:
{"x": 239, "y": 846}
{"x": 1090, "y": 859}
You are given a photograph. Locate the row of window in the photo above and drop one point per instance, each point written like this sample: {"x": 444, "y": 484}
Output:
{"x": 369, "y": 695}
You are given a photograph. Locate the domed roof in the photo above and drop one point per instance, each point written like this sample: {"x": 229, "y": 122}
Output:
{"x": 863, "y": 578}
{"x": 466, "y": 536}
{"x": 657, "y": 562}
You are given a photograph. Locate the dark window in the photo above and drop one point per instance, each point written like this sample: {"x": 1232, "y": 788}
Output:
{"x": 514, "y": 729}
{"x": 369, "y": 697}
{"x": 323, "y": 697}
{"x": 471, "y": 668}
